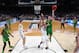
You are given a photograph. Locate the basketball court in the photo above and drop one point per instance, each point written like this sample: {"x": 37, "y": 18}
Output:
{"x": 32, "y": 43}
{"x": 33, "y": 38}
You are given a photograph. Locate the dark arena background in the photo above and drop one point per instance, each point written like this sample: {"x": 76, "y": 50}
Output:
{"x": 22, "y": 6}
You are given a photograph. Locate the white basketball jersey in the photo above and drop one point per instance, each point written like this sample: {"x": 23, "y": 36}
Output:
{"x": 20, "y": 29}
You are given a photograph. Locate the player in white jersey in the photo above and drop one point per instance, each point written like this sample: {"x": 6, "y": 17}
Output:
{"x": 77, "y": 44}
{"x": 21, "y": 33}
{"x": 44, "y": 39}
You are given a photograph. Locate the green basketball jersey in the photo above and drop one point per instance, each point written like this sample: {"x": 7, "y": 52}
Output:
{"x": 5, "y": 35}
{"x": 49, "y": 27}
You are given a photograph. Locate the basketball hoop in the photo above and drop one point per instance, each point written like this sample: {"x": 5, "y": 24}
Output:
{"x": 37, "y": 9}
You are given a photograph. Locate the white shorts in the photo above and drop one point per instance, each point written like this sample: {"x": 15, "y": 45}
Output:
{"x": 22, "y": 35}
{"x": 44, "y": 36}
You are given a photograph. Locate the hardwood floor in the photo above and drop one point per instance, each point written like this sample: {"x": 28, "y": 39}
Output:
{"x": 66, "y": 38}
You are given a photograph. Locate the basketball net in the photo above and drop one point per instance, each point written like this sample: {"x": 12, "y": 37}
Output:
{"x": 37, "y": 9}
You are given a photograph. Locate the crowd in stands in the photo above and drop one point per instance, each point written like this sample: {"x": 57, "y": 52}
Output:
{"x": 4, "y": 17}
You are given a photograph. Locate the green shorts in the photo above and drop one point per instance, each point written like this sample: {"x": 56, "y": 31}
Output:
{"x": 49, "y": 31}
{"x": 5, "y": 39}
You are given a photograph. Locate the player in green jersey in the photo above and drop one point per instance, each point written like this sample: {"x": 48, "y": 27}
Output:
{"x": 5, "y": 36}
{"x": 49, "y": 27}
{"x": 74, "y": 23}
